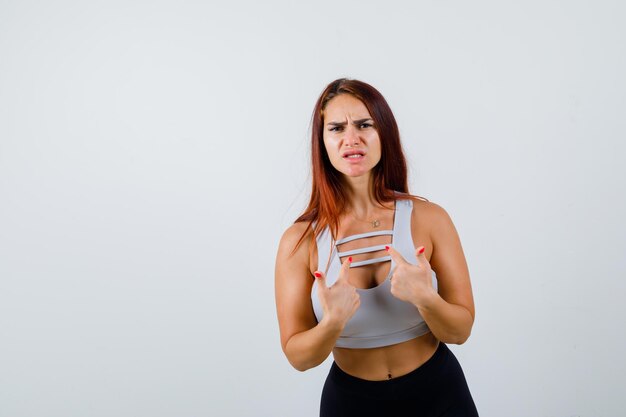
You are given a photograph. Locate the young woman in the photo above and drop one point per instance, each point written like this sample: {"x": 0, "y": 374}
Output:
{"x": 371, "y": 273}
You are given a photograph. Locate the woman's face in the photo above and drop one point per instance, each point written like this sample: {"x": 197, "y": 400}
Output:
{"x": 350, "y": 137}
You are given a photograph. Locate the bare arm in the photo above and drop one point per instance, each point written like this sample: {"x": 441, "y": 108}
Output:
{"x": 450, "y": 323}
{"x": 305, "y": 342}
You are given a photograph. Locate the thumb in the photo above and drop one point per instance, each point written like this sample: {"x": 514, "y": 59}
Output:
{"x": 420, "y": 254}
{"x": 345, "y": 267}
{"x": 396, "y": 256}
{"x": 321, "y": 279}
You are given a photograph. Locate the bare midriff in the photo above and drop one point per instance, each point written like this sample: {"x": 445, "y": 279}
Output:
{"x": 387, "y": 362}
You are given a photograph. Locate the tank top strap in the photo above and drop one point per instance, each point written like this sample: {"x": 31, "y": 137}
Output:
{"x": 404, "y": 208}
{"x": 324, "y": 249}
{"x": 403, "y": 240}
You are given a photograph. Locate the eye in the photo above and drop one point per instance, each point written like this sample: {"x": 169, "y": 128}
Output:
{"x": 365, "y": 125}
{"x": 335, "y": 129}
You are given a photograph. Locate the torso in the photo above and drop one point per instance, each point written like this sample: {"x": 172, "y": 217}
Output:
{"x": 385, "y": 362}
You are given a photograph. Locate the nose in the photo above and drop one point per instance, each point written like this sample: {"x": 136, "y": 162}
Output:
{"x": 351, "y": 137}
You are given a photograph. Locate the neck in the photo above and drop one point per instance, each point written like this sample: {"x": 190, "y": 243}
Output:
{"x": 361, "y": 200}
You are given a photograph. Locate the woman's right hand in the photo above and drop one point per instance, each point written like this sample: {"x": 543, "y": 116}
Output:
{"x": 339, "y": 301}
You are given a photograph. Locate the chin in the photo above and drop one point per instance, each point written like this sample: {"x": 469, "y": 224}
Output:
{"x": 359, "y": 174}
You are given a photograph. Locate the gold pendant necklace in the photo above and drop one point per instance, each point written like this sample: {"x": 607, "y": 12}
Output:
{"x": 373, "y": 223}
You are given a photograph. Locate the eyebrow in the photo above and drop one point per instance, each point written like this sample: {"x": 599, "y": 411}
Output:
{"x": 356, "y": 122}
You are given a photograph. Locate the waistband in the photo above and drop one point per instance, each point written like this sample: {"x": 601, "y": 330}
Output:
{"x": 424, "y": 376}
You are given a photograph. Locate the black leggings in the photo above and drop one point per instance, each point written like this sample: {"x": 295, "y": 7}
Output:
{"x": 436, "y": 388}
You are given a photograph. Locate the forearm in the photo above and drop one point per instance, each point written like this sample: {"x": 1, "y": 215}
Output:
{"x": 310, "y": 348}
{"x": 450, "y": 323}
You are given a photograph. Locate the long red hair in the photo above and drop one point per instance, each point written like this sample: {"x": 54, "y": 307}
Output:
{"x": 328, "y": 198}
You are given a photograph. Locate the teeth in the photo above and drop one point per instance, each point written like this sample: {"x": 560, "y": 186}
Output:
{"x": 354, "y": 156}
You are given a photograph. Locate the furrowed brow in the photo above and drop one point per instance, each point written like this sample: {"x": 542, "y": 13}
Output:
{"x": 336, "y": 123}
{"x": 356, "y": 122}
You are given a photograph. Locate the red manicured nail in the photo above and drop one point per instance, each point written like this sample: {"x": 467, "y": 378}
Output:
{"x": 387, "y": 248}
{"x": 421, "y": 250}
{"x": 317, "y": 274}
{"x": 350, "y": 259}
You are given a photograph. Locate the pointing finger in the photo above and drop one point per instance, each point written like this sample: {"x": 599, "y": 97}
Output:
{"x": 396, "y": 256}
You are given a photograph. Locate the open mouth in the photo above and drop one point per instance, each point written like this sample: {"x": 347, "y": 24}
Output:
{"x": 353, "y": 155}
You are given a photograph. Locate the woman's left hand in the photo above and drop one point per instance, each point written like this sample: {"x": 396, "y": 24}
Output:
{"x": 412, "y": 283}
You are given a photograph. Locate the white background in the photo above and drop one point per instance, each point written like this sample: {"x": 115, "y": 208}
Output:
{"x": 152, "y": 153}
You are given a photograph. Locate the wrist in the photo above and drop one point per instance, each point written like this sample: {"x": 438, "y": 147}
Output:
{"x": 331, "y": 325}
{"x": 427, "y": 300}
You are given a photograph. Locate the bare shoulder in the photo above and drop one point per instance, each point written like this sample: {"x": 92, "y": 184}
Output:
{"x": 433, "y": 228}
{"x": 430, "y": 216}
{"x": 290, "y": 239}
{"x": 294, "y": 256}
